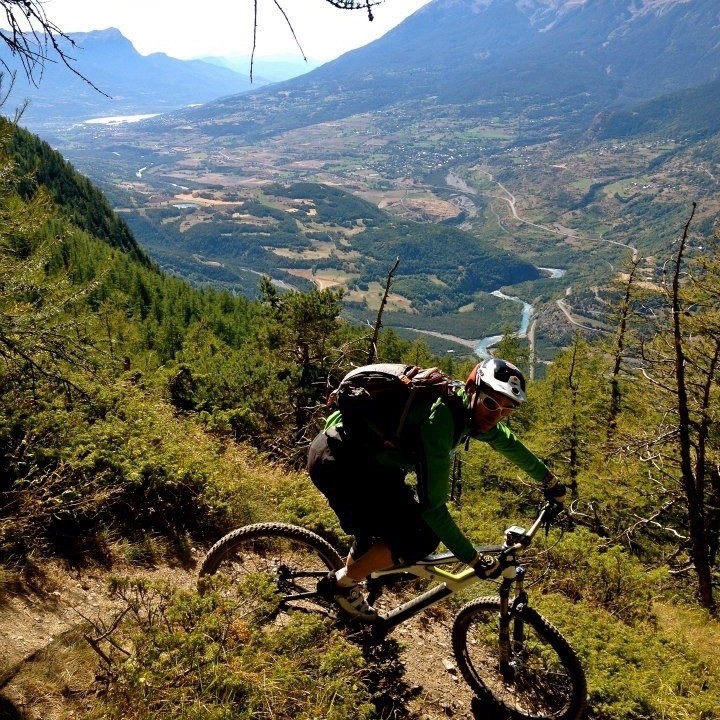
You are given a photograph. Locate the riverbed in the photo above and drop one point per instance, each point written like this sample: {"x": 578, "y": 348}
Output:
{"x": 481, "y": 347}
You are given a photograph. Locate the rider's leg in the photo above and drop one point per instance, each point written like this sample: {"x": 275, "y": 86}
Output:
{"x": 341, "y": 476}
{"x": 371, "y": 501}
{"x": 365, "y": 556}
{"x": 378, "y": 557}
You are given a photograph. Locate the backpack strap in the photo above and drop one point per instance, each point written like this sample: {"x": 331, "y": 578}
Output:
{"x": 458, "y": 411}
{"x": 418, "y": 380}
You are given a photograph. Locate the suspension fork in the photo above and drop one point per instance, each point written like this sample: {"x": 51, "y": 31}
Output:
{"x": 509, "y": 614}
{"x": 519, "y": 601}
{"x": 505, "y": 617}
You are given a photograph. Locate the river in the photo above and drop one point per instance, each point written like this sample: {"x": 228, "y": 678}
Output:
{"x": 481, "y": 347}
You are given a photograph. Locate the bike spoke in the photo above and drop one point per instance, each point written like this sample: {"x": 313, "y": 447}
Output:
{"x": 534, "y": 683}
{"x": 540, "y": 678}
{"x": 267, "y": 564}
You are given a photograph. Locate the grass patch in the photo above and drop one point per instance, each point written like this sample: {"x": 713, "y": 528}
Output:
{"x": 55, "y": 682}
{"x": 693, "y": 626}
{"x": 181, "y": 655}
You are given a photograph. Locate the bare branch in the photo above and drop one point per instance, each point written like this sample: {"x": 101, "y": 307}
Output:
{"x": 657, "y": 383}
{"x": 105, "y": 634}
{"x": 653, "y": 521}
{"x": 340, "y": 4}
{"x": 279, "y": 7}
{"x": 372, "y": 352}
{"x": 34, "y": 39}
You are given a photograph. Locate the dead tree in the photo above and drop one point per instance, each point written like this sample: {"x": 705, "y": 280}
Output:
{"x": 625, "y": 308}
{"x": 576, "y": 406}
{"x": 687, "y": 378}
{"x": 372, "y": 351}
{"x": 693, "y": 437}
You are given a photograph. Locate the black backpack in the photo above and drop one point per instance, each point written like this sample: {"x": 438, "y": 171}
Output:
{"x": 379, "y": 402}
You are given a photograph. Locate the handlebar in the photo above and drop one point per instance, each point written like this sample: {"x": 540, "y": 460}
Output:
{"x": 517, "y": 538}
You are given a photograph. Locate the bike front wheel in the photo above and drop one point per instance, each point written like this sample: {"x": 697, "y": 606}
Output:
{"x": 541, "y": 677}
{"x": 289, "y": 559}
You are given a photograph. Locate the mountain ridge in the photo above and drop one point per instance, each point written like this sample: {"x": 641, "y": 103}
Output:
{"x": 570, "y": 59}
{"x": 690, "y": 112}
{"x": 132, "y": 83}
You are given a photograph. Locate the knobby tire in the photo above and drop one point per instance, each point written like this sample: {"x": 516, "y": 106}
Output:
{"x": 291, "y": 558}
{"x": 545, "y": 680}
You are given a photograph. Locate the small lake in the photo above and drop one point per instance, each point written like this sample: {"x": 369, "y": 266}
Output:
{"x": 117, "y": 119}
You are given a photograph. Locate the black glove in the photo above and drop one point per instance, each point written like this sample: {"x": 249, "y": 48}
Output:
{"x": 555, "y": 493}
{"x": 486, "y": 567}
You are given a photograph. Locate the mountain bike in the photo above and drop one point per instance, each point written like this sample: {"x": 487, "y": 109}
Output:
{"x": 507, "y": 652}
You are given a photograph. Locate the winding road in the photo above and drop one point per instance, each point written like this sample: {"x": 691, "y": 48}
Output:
{"x": 527, "y": 328}
{"x": 507, "y": 197}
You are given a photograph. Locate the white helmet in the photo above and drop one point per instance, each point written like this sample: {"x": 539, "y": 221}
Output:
{"x": 499, "y": 375}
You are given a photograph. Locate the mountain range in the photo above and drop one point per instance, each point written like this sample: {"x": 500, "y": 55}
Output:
{"x": 559, "y": 60}
{"x": 266, "y": 69}
{"x": 561, "y": 133}
{"x": 554, "y": 63}
{"x": 125, "y": 82}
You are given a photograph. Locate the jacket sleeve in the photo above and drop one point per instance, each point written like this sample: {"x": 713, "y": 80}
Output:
{"x": 504, "y": 440}
{"x": 433, "y": 478}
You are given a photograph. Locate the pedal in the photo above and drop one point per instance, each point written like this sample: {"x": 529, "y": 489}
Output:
{"x": 326, "y": 587}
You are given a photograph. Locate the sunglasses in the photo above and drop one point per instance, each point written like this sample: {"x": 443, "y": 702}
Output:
{"x": 492, "y": 405}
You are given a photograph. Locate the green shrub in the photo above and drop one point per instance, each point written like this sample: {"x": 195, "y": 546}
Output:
{"x": 117, "y": 468}
{"x": 636, "y": 671}
{"x": 191, "y": 656}
{"x": 582, "y": 568}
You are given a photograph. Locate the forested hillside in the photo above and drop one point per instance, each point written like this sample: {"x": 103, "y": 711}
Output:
{"x": 141, "y": 418}
{"x": 301, "y": 232}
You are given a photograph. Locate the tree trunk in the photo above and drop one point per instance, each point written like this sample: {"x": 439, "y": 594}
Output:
{"x": 693, "y": 477}
{"x": 615, "y": 396}
{"x": 372, "y": 351}
{"x": 574, "y": 450}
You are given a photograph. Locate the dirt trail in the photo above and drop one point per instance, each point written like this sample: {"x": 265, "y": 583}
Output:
{"x": 39, "y": 619}
{"x": 61, "y": 601}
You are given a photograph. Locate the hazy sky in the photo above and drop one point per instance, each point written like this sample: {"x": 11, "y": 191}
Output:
{"x": 188, "y": 28}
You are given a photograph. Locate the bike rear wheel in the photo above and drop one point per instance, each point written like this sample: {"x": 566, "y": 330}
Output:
{"x": 542, "y": 679}
{"x": 290, "y": 558}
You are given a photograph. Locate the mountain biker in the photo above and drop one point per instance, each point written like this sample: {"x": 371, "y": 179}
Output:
{"x": 393, "y": 525}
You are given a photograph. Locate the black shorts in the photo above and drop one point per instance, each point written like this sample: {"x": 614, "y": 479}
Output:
{"x": 373, "y": 502}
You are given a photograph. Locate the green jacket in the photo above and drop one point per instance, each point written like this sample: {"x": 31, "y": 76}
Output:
{"x": 436, "y": 439}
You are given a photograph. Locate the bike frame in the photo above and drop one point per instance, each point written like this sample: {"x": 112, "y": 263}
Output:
{"x": 432, "y": 568}
{"x": 490, "y": 635}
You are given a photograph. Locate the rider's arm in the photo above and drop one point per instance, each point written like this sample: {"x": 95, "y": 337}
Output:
{"x": 504, "y": 440}
{"x": 433, "y": 476}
